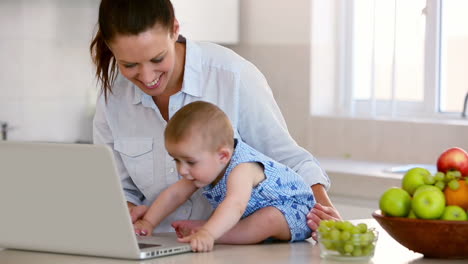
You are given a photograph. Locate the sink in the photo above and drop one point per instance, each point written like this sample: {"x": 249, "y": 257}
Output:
{"x": 407, "y": 167}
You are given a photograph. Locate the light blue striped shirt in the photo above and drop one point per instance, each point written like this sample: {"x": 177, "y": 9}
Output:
{"x": 131, "y": 124}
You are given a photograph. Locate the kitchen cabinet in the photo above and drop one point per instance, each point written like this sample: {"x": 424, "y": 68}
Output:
{"x": 209, "y": 20}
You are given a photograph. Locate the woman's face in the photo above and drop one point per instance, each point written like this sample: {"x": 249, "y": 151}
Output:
{"x": 148, "y": 59}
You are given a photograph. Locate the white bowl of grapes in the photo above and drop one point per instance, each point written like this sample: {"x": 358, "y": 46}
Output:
{"x": 342, "y": 240}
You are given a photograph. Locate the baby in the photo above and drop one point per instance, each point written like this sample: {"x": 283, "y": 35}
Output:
{"x": 236, "y": 179}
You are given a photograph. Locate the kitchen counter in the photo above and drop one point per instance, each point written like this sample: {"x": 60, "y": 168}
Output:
{"x": 387, "y": 251}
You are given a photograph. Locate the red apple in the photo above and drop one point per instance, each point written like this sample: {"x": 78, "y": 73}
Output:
{"x": 453, "y": 159}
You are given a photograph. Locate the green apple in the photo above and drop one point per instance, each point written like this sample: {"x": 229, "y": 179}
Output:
{"x": 424, "y": 187}
{"x": 454, "y": 213}
{"x": 414, "y": 178}
{"x": 395, "y": 202}
{"x": 429, "y": 203}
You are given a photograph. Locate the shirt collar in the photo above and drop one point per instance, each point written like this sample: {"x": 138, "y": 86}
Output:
{"x": 140, "y": 97}
{"x": 193, "y": 70}
{"x": 137, "y": 95}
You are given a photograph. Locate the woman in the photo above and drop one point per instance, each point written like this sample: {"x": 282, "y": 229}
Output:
{"x": 148, "y": 71}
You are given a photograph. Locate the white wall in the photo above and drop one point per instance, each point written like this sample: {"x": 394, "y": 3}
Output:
{"x": 47, "y": 84}
{"x": 274, "y": 35}
{"x": 46, "y": 76}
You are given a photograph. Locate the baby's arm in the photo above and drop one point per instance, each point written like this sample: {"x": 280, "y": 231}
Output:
{"x": 166, "y": 203}
{"x": 239, "y": 189}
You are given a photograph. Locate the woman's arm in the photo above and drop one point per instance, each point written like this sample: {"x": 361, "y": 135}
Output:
{"x": 262, "y": 126}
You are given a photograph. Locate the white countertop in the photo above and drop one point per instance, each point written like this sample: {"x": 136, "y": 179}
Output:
{"x": 387, "y": 251}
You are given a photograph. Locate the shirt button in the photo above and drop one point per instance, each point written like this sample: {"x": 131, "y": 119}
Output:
{"x": 171, "y": 170}
{"x": 173, "y": 108}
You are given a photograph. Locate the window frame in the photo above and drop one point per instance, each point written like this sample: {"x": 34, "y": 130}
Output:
{"x": 428, "y": 108}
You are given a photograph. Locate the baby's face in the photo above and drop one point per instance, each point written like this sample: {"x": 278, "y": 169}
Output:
{"x": 195, "y": 162}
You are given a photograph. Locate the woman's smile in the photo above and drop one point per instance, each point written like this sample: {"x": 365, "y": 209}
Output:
{"x": 155, "y": 83}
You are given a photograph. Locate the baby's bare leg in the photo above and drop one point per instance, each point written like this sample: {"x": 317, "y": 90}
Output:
{"x": 264, "y": 223}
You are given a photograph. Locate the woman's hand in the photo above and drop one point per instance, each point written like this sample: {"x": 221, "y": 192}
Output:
{"x": 319, "y": 213}
{"x": 136, "y": 212}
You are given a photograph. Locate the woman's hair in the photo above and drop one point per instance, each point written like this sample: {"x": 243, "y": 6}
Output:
{"x": 203, "y": 119}
{"x": 124, "y": 17}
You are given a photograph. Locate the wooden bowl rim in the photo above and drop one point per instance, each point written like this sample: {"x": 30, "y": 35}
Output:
{"x": 377, "y": 214}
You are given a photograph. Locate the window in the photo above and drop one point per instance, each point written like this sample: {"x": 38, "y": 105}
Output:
{"x": 454, "y": 55}
{"x": 397, "y": 58}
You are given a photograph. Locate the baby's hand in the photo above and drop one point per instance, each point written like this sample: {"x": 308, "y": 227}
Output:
{"x": 200, "y": 241}
{"x": 143, "y": 227}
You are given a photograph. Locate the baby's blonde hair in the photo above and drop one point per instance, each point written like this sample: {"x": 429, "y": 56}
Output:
{"x": 204, "y": 119}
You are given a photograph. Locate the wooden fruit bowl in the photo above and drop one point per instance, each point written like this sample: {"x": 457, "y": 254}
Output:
{"x": 432, "y": 238}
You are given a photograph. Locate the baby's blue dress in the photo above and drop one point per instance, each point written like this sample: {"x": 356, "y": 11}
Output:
{"x": 282, "y": 188}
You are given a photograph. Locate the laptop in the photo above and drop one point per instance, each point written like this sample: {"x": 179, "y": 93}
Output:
{"x": 67, "y": 198}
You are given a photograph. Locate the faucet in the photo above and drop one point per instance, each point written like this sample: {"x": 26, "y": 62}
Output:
{"x": 464, "y": 105}
{"x": 4, "y": 126}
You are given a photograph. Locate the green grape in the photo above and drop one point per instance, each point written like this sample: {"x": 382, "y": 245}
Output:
{"x": 340, "y": 248}
{"x": 323, "y": 229}
{"x": 371, "y": 235}
{"x": 428, "y": 179}
{"x": 328, "y": 244}
{"x": 339, "y": 225}
{"x": 440, "y": 185}
{"x": 331, "y": 223}
{"x": 439, "y": 176}
{"x": 454, "y": 174}
{"x": 357, "y": 252}
{"x": 325, "y": 236}
{"x": 323, "y": 223}
{"x": 366, "y": 239}
{"x": 347, "y": 226}
{"x": 449, "y": 176}
{"x": 362, "y": 227}
{"x": 454, "y": 185}
{"x": 347, "y": 239}
{"x": 348, "y": 247}
{"x": 356, "y": 239}
{"x": 345, "y": 235}
{"x": 335, "y": 234}
{"x": 326, "y": 223}
{"x": 355, "y": 230}
{"x": 367, "y": 250}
